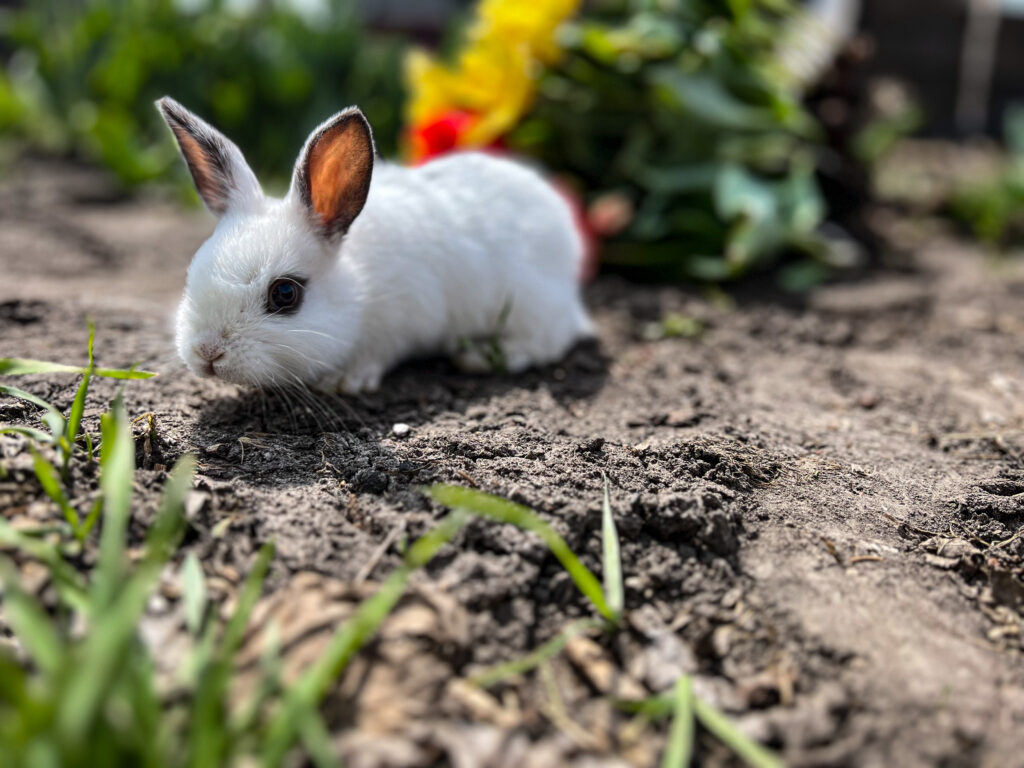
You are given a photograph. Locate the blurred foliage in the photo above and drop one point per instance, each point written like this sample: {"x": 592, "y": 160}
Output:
{"x": 683, "y": 108}
{"x": 81, "y": 77}
{"x": 993, "y": 209}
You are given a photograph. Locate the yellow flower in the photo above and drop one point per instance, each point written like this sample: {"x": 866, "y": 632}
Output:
{"x": 527, "y": 22}
{"x": 494, "y": 76}
{"x": 494, "y": 83}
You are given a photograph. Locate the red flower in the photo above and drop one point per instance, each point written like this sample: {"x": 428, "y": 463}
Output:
{"x": 439, "y": 135}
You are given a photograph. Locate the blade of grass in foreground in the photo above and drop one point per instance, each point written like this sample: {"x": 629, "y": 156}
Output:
{"x": 19, "y": 366}
{"x": 78, "y": 408}
{"x": 726, "y": 732}
{"x": 117, "y": 472}
{"x": 30, "y": 623}
{"x": 504, "y": 511}
{"x": 66, "y": 578}
{"x": 679, "y": 748}
{"x": 535, "y": 658}
{"x": 30, "y": 432}
{"x": 715, "y": 722}
{"x": 350, "y": 637}
{"x": 27, "y": 397}
{"x": 117, "y": 605}
{"x": 613, "y": 589}
{"x": 194, "y": 593}
{"x": 209, "y": 735}
{"x": 50, "y": 483}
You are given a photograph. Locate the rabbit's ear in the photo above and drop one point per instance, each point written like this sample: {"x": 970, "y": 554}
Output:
{"x": 332, "y": 174}
{"x": 222, "y": 177}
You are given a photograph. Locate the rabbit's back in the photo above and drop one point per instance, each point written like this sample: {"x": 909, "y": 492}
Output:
{"x": 459, "y": 247}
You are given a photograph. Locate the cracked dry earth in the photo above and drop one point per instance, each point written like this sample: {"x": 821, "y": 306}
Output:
{"x": 819, "y": 502}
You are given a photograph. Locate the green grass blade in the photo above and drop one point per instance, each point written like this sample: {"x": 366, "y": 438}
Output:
{"x": 656, "y": 707}
{"x": 350, "y": 637}
{"x": 67, "y": 579}
{"x": 194, "y": 596}
{"x": 104, "y": 650}
{"x": 117, "y": 470}
{"x": 209, "y": 736}
{"x": 55, "y": 422}
{"x": 317, "y": 740}
{"x": 679, "y": 748}
{"x": 46, "y": 474}
{"x": 163, "y": 535}
{"x": 752, "y": 753}
{"x": 504, "y": 511}
{"x": 30, "y": 432}
{"x": 118, "y": 373}
{"x": 535, "y": 658}
{"x": 248, "y": 717}
{"x": 27, "y": 396}
{"x": 30, "y": 623}
{"x": 653, "y": 707}
{"x": 613, "y": 588}
{"x": 74, "y": 422}
{"x": 18, "y": 366}
{"x": 250, "y": 593}
{"x": 92, "y": 517}
{"x": 14, "y": 689}
{"x": 118, "y": 604}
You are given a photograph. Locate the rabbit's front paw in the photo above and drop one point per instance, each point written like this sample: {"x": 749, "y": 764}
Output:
{"x": 365, "y": 379}
{"x": 353, "y": 382}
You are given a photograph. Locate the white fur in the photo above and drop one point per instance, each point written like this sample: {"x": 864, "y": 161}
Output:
{"x": 439, "y": 253}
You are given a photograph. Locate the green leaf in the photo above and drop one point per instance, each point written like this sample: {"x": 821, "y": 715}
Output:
{"x": 78, "y": 407}
{"x": 28, "y": 396}
{"x": 613, "y": 588}
{"x": 51, "y": 485}
{"x": 167, "y": 527}
{"x": 351, "y": 636}
{"x": 68, "y": 580}
{"x": 726, "y": 732}
{"x": 686, "y": 178}
{"x": 550, "y": 649}
{"x": 208, "y": 736}
{"x": 317, "y": 740}
{"x": 30, "y": 623}
{"x": 118, "y": 602}
{"x": 92, "y": 517}
{"x": 117, "y": 474}
{"x": 194, "y": 593}
{"x": 17, "y": 366}
{"x": 30, "y": 432}
{"x": 504, "y": 511}
{"x": 679, "y": 747}
{"x": 739, "y": 193}
{"x": 707, "y": 99}
{"x": 715, "y": 722}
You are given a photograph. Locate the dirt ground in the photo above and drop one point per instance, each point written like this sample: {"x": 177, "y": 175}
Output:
{"x": 819, "y": 501}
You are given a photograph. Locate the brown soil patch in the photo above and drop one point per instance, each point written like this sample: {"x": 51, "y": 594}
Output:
{"x": 819, "y": 502}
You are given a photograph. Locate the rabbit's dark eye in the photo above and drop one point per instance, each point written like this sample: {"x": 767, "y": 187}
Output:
{"x": 284, "y": 296}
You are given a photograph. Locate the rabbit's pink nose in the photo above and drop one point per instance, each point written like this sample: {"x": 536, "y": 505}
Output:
{"x": 209, "y": 352}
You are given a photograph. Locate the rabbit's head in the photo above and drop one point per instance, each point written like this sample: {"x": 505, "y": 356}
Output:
{"x": 265, "y": 302}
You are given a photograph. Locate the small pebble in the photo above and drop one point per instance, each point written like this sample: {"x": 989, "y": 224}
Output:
{"x": 401, "y": 430}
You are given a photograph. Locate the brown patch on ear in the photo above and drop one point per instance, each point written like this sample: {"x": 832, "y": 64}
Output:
{"x": 337, "y": 171}
{"x": 209, "y": 175}
{"x": 204, "y": 153}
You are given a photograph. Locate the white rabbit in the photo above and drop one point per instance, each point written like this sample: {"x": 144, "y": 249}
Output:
{"x": 343, "y": 278}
